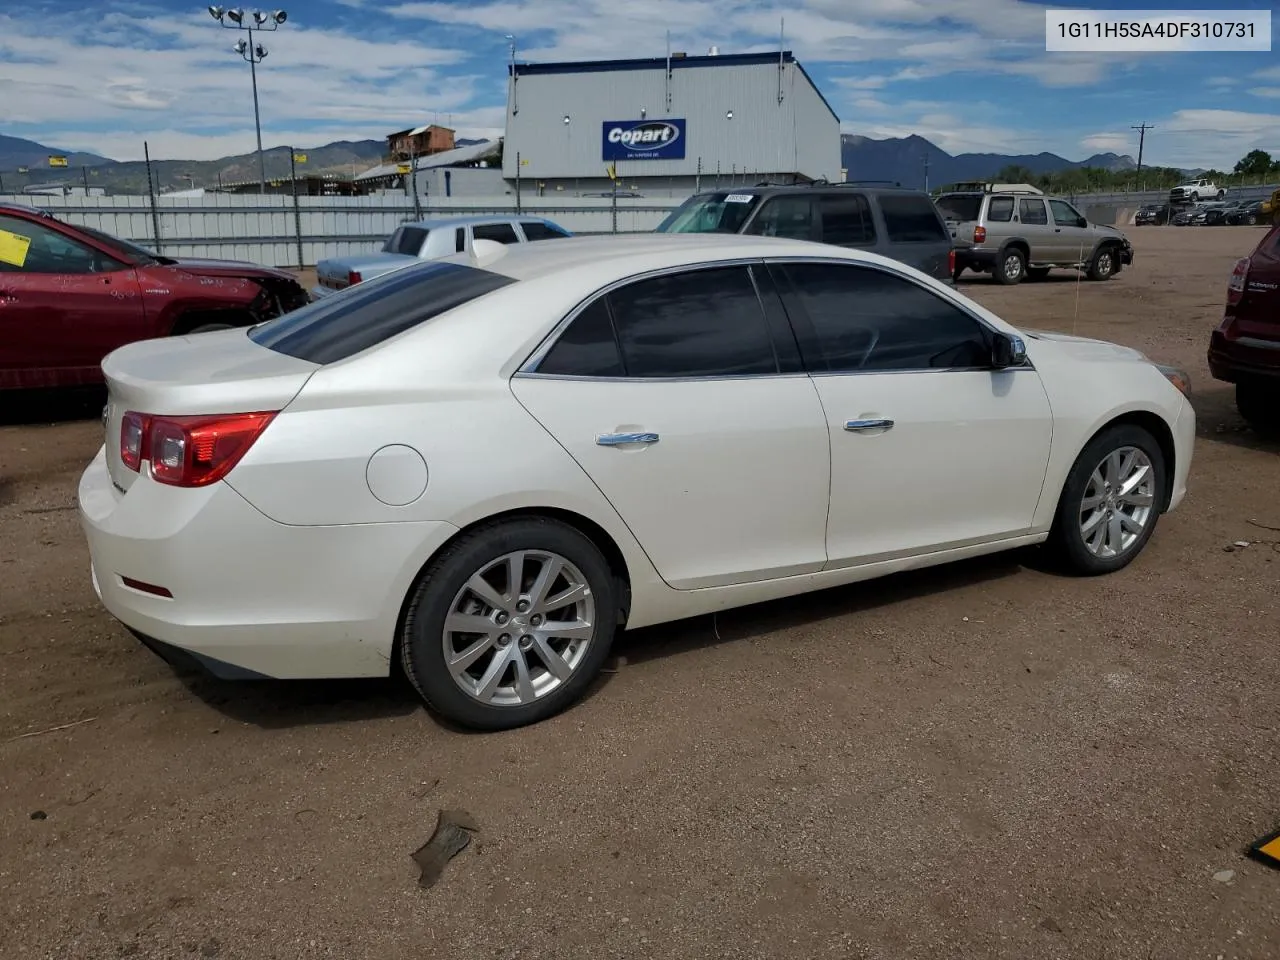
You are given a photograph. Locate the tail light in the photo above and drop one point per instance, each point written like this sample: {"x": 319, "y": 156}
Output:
{"x": 1239, "y": 277}
{"x": 189, "y": 451}
{"x": 951, "y": 262}
{"x": 979, "y": 234}
{"x": 353, "y": 277}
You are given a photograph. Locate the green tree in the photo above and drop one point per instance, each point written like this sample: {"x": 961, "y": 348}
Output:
{"x": 1255, "y": 163}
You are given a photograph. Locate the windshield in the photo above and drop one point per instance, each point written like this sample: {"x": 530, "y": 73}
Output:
{"x": 710, "y": 213}
{"x": 959, "y": 206}
{"x": 132, "y": 252}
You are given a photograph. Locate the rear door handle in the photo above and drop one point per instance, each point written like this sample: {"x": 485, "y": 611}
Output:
{"x": 857, "y": 426}
{"x": 618, "y": 439}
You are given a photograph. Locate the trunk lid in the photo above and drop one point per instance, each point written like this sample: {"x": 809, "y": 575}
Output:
{"x": 333, "y": 273}
{"x": 222, "y": 372}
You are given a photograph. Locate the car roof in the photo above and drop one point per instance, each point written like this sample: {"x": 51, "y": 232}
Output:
{"x": 629, "y": 254}
{"x": 438, "y": 223}
{"x": 773, "y": 188}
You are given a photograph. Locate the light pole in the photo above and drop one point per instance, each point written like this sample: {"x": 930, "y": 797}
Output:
{"x": 254, "y": 54}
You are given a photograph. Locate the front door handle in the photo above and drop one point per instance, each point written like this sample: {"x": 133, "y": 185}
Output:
{"x": 618, "y": 439}
{"x": 857, "y": 426}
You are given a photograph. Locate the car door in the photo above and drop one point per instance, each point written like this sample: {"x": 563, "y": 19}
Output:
{"x": 1075, "y": 242}
{"x": 785, "y": 215}
{"x": 1033, "y": 226}
{"x": 931, "y": 448}
{"x": 64, "y": 305}
{"x": 682, "y": 397}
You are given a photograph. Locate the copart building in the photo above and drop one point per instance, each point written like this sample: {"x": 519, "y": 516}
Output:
{"x": 666, "y": 126}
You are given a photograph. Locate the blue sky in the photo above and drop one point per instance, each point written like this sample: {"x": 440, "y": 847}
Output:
{"x": 969, "y": 76}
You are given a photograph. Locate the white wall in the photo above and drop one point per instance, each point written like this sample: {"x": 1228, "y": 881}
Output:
{"x": 265, "y": 229}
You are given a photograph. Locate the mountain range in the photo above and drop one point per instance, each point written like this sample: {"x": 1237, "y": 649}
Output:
{"x": 898, "y": 159}
{"x": 902, "y": 159}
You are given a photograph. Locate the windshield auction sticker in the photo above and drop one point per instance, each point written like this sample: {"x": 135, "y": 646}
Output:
{"x": 13, "y": 248}
{"x": 1156, "y": 31}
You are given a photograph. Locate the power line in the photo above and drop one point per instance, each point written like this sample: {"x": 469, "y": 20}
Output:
{"x": 1142, "y": 139}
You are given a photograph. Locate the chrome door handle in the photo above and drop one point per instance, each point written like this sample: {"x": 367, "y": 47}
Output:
{"x": 855, "y": 426}
{"x": 617, "y": 439}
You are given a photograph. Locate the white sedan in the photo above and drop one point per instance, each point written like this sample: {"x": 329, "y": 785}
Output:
{"x": 481, "y": 468}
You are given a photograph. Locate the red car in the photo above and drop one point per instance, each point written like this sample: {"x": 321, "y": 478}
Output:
{"x": 70, "y": 295}
{"x": 1245, "y": 349}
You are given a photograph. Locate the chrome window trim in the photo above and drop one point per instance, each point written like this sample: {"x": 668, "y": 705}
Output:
{"x": 528, "y": 369}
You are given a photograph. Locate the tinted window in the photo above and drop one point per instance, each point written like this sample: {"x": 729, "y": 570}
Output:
{"x": 1032, "y": 211}
{"x": 502, "y": 232}
{"x": 911, "y": 218}
{"x": 846, "y": 220}
{"x": 460, "y": 240}
{"x": 45, "y": 250}
{"x": 710, "y": 213}
{"x": 960, "y": 206}
{"x": 406, "y": 240}
{"x": 704, "y": 323}
{"x": 868, "y": 320}
{"x": 1063, "y": 213}
{"x": 537, "y": 230}
{"x": 588, "y": 348}
{"x": 785, "y": 216}
{"x": 1000, "y": 209}
{"x": 365, "y": 315}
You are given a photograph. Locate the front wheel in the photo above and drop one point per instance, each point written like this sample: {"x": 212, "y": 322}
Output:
{"x": 1110, "y": 502}
{"x": 1103, "y": 264}
{"x": 1221, "y": 194}
{"x": 510, "y": 624}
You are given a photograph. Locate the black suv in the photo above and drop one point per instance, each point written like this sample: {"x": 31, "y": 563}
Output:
{"x": 889, "y": 220}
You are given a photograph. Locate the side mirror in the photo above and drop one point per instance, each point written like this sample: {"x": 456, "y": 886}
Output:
{"x": 1082, "y": 222}
{"x": 1007, "y": 351}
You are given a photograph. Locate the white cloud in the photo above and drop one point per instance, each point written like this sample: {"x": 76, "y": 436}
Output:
{"x": 1265, "y": 91}
{"x": 1199, "y": 138}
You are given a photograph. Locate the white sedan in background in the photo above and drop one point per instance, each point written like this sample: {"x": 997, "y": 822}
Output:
{"x": 481, "y": 468}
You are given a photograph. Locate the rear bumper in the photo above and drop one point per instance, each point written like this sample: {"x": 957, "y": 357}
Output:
{"x": 250, "y": 596}
{"x": 1243, "y": 359}
{"x": 976, "y": 258}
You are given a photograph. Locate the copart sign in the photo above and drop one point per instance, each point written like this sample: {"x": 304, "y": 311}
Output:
{"x": 643, "y": 140}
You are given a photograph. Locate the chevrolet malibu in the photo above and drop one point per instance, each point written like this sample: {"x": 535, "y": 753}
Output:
{"x": 480, "y": 469}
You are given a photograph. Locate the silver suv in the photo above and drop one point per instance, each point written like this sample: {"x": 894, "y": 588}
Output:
{"x": 1014, "y": 232}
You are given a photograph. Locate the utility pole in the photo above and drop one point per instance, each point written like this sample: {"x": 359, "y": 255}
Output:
{"x": 1142, "y": 138}
{"x": 926, "y": 173}
{"x": 253, "y": 54}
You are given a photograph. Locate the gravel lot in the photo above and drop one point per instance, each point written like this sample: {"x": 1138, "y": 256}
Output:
{"x": 979, "y": 761}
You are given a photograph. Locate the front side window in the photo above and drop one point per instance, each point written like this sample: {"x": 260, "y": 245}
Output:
{"x": 866, "y": 320}
{"x": 846, "y": 220}
{"x": 27, "y": 247}
{"x": 911, "y": 218}
{"x": 1064, "y": 214}
{"x": 501, "y": 232}
{"x": 699, "y": 323}
{"x": 785, "y": 216}
{"x": 1032, "y": 212}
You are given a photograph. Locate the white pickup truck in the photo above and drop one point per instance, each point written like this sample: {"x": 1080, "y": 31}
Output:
{"x": 1193, "y": 191}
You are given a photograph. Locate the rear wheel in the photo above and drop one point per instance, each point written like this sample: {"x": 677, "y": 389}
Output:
{"x": 510, "y": 624}
{"x": 1011, "y": 267}
{"x": 1110, "y": 502}
{"x": 1260, "y": 407}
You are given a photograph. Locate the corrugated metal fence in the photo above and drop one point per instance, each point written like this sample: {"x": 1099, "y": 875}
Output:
{"x": 271, "y": 230}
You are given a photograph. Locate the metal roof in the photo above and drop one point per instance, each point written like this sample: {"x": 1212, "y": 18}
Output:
{"x": 447, "y": 158}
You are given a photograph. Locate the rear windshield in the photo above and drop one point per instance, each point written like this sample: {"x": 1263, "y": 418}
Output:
{"x": 406, "y": 240}
{"x": 912, "y": 218}
{"x": 724, "y": 212}
{"x": 368, "y": 313}
{"x": 960, "y": 206}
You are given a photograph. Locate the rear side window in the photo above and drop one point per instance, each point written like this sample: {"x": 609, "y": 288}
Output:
{"x": 1000, "y": 209}
{"x": 588, "y": 348}
{"x": 911, "y": 218}
{"x": 502, "y": 232}
{"x": 537, "y": 230}
{"x": 1033, "y": 212}
{"x": 365, "y": 315}
{"x": 846, "y": 220}
{"x": 460, "y": 240}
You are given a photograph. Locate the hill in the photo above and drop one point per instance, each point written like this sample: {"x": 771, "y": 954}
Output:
{"x": 16, "y": 152}
{"x": 903, "y": 160}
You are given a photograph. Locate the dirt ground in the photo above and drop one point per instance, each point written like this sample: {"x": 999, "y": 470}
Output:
{"x": 980, "y": 761}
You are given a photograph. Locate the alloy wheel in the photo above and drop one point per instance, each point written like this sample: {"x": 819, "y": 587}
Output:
{"x": 519, "y": 628}
{"x": 1118, "y": 503}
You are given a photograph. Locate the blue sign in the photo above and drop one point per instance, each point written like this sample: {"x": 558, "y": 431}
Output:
{"x": 643, "y": 140}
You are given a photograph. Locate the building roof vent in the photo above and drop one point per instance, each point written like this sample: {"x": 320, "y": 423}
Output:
{"x": 678, "y": 55}
{"x": 713, "y": 52}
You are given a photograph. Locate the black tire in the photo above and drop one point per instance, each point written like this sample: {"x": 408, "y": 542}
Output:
{"x": 1104, "y": 263}
{"x": 1037, "y": 273}
{"x": 1011, "y": 268}
{"x": 1259, "y": 405}
{"x": 1221, "y": 194}
{"x": 422, "y": 640}
{"x": 1195, "y": 198}
{"x": 1066, "y": 541}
